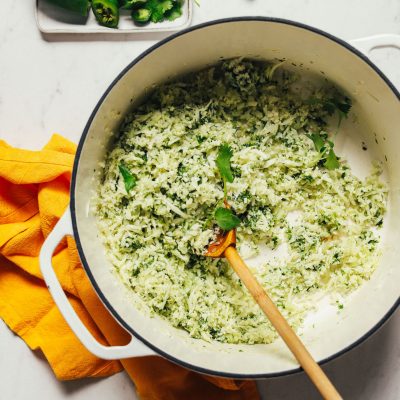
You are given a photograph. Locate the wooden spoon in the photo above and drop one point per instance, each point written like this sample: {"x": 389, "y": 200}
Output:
{"x": 225, "y": 246}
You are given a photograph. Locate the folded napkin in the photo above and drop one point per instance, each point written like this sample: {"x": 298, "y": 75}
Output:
{"x": 34, "y": 192}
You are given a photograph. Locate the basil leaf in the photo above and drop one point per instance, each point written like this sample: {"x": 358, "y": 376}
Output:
{"x": 226, "y": 219}
{"x": 331, "y": 161}
{"x": 129, "y": 178}
{"x": 223, "y": 162}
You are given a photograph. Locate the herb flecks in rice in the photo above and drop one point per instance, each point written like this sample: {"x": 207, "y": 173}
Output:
{"x": 156, "y": 232}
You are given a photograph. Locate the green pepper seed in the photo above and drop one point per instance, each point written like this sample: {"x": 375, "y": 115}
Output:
{"x": 106, "y": 12}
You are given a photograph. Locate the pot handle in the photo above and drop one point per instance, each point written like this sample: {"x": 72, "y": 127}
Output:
{"x": 135, "y": 348}
{"x": 366, "y": 44}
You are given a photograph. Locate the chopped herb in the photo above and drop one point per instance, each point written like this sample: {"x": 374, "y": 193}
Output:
{"x": 308, "y": 178}
{"x": 144, "y": 156}
{"x": 332, "y": 105}
{"x": 135, "y": 272}
{"x": 342, "y": 107}
{"x": 181, "y": 169}
{"x": 336, "y": 258}
{"x": 200, "y": 139}
{"x": 214, "y": 333}
{"x": 244, "y": 197}
{"x": 124, "y": 202}
{"x": 226, "y": 219}
{"x": 129, "y": 179}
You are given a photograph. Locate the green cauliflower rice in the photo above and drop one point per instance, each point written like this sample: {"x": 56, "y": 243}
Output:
{"x": 160, "y": 188}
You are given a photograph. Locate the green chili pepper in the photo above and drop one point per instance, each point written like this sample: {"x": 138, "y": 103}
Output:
{"x": 78, "y": 6}
{"x": 131, "y": 4}
{"x": 141, "y": 15}
{"x": 106, "y": 12}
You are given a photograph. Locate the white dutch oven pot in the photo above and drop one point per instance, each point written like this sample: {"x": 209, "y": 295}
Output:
{"x": 327, "y": 334}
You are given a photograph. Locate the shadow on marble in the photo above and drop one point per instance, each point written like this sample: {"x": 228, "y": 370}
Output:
{"x": 356, "y": 373}
{"x": 359, "y": 374}
{"x": 104, "y": 37}
{"x": 70, "y": 387}
{"x": 76, "y": 385}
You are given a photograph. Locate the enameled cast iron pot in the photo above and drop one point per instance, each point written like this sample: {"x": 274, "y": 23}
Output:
{"x": 376, "y": 104}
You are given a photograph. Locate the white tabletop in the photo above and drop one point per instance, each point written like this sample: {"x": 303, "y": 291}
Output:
{"x": 51, "y": 84}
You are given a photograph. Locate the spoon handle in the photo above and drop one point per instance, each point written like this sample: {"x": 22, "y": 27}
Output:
{"x": 313, "y": 370}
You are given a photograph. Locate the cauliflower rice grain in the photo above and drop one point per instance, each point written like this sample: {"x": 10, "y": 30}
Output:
{"x": 156, "y": 235}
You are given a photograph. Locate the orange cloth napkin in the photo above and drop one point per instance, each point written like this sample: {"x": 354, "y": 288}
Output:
{"x": 34, "y": 192}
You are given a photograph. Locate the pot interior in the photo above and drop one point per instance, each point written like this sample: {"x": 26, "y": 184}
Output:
{"x": 376, "y": 107}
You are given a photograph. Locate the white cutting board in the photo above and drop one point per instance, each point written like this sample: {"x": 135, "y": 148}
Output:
{"x": 53, "y": 19}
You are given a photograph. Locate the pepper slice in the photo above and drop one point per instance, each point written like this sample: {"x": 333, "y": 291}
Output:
{"x": 106, "y": 12}
{"x": 131, "y": 4}
{"x": 141, "y": 15}
{"x": 78, "y": 6}
{"x": 175, "y": 12}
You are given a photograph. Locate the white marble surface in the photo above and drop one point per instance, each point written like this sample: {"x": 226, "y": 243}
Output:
{"x": 51, "y": 83}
